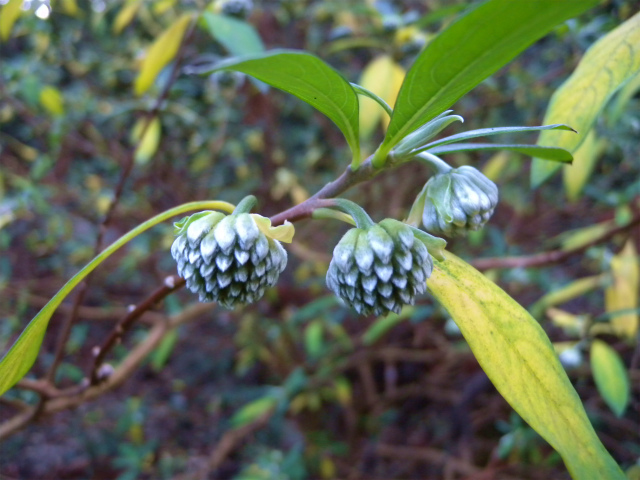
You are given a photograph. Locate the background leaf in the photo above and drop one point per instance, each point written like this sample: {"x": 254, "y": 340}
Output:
{"x": 519, "y": 359}
{"x": 467, "y": 52}
{"x": 610, "y": 376}
{"x": 585, "y": 157}
{"x": 383, "y": 76}
{"x": 125, "y": 16}
{"x": 311, "y": 80}
{"x": 606, "y": 66}
{"x": 237, "y": 36}
{"x": 52, "y": 100}
{"x": 9, "y": 13}
{"x": 623, "y": 294}
{"x": 148, "y": 145}
{"x": 161, "y": 52}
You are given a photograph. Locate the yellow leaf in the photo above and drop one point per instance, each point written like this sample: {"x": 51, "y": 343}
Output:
{"x": 9, "y": 13}
{"x": 623, "y": 294}
{"x": 568, "y": 292}
{"x": 605, "y": 67}
{"x": 161, "y": 52}
{"x": 52, "y": 101}
{"x": 518, "y": 357}
{"x": 610, "y": 376}
{"x": 383, "y": 77}
{"x": 572, "y": 324}
{"x": 282, "y": 233}
{"x": 70, "y": 7}
{"x": 148, "y": 145}
{"x": 126, "y": 16}
{"x": 161, "y": 6}
{"x": 585, "y": 157}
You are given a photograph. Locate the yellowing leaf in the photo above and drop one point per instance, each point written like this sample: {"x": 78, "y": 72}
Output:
{"x": 282, "y": 233}
{"x": 148, "y": 145}
{"x": 70, "y": 7}
{"x": 568, "y": 292}
{"x": 518, "y": 357}
{"x": 9, "y": 13}
{"x": 610, "y": 376}
{"x": 383, "y": 76}
{"x": 126, "y": 16}
{"x": 605, "y": 67}
{"x": 52, "y": 101}
{"x": 570, "y": 323}
{"x": 252, "y": 411}
{"x": 623, "y": 294}
{"x": 585, "y": 157}
{"x": 161, "y": 52}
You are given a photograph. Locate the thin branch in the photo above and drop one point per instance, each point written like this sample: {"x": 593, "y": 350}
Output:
{"x": 552, "y": 257}
{"x": 171, "y": 284}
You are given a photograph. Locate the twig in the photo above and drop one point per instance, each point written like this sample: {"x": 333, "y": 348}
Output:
{"x": 231, "y": 440}
{"x": 549, "y": 258}
{"x": 171, "y": 284}
{"x": 121, "y": 373}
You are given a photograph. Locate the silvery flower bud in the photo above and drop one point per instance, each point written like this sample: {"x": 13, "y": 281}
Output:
{"x": 381, "y": 268}
{"x": 459, "y": 200}
{"x": 227, "y": 258}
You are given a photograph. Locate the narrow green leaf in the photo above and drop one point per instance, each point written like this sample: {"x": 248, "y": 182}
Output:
{"x": 610, "y": 376}
{"x": 548, "y": 153}
{"x": 519, "y": 359}
{"x": 313, "y": 339}
{"x": 311, "y": 80}
{"x": 468, "y": 51}
{"x": 606, "y": 66}
{"x": 22, "y": 354}
{"x": 163, "y": 351}
{"x": 487, "y": 132}
{"x": 237, "y": 36}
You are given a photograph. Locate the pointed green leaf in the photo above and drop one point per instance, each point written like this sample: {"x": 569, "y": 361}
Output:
{"x": 468, "y": 51}
{"x": 252, "y": 411}
{"x": 237, "y": 36}
{"x": 548, "y": 153}
{"x": 606, "y": 66}
{"x": 519, "y": 359}
{"x": 310, "y": 79}
{"x": 610, "y": 376}
{"x": 585, "y": 158}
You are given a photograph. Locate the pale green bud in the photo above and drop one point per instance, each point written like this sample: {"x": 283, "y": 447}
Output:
{"x": 459, "y": 200}
{"x": 381, "y": 268}
{"x": 227, "y": 259}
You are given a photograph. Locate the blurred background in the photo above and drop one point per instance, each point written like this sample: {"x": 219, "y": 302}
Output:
{"x": 295, "y": 386}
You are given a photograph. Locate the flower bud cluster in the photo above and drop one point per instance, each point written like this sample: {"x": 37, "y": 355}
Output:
{"x": 379, "y": 269}
{"x": 459, "y": 200}
{"x": 228, "y": 259}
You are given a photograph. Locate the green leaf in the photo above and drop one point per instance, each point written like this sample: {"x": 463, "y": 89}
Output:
{"x": 252, "y": 411}
{"x": 163, "y": 351}
{"x": 548, "y": 153}
{"x": 468, "y": 51}
{"x": 237, "y": 36}
{"x": 22, "y": 354}
{"x": 610, "y": 376}
{"x": 518, "y": 357}
{"x": 606, "y": 66}
{"x": 313, "y": 339}
{"x": 311, "y": 80}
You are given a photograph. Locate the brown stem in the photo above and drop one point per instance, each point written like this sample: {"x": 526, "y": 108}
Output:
{"x": 549, "y": 258}
{"x": 170, "y": 285}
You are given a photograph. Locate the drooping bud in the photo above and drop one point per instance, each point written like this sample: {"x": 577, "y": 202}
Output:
{"x": 457, "y": 201}
{"x": 228, "y": 258}
{"x": 380, "y": 268}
